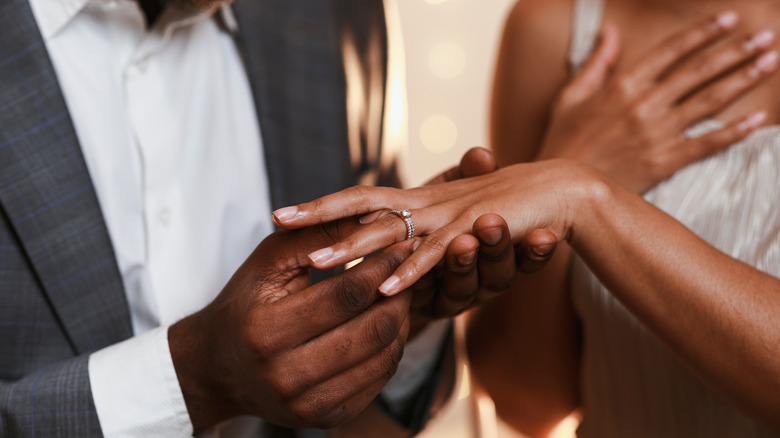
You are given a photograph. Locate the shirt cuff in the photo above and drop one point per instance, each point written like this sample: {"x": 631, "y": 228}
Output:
{"x": 135, "y": 388}
{"x": 416, "y": 366}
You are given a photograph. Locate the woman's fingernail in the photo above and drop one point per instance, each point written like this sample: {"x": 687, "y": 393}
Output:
{"x": 287, "y": 214}
{"x": 727, "y": 19}
{"x": 467, "y": 259}
{"x": 752, "y": 121}
{"x": 760, "y": 40}
{"x": 490, "y": 236}
{"x": 388, "y": 287}
{"x": 416, "y": 244}
{"x": 369, "y": 218}
{"x": 321, "y": 256}
{"x": 765, "y": 63}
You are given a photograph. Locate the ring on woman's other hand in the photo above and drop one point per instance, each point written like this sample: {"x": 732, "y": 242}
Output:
{"x": 406, "y": 215}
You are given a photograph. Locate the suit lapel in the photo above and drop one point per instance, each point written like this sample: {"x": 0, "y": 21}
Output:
{"x": 292, "y": 56}
{"x": 47, "y": 194}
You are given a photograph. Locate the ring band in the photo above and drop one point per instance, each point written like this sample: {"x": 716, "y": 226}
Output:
{"x": 406, "y": 215}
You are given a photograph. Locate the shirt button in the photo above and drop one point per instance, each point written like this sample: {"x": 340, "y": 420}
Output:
{"x": 164, "y": 216}
{"x": 141, "y": 65}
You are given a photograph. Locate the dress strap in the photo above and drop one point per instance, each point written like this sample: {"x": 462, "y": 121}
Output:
{"x": 586, "y": 23}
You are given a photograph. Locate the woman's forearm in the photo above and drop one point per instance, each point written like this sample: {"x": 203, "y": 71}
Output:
{"x": 717, "y": 314}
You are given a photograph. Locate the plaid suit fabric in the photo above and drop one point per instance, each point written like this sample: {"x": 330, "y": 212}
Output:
{"x": 294, "y": 60}
{"x": 53, "y": 402}
{"x": 61, "y": 294}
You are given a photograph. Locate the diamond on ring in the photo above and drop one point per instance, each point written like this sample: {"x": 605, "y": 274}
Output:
{"x": 406, "y": 215}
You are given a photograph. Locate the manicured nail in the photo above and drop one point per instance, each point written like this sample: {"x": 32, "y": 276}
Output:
{"x": 542, "y": 250}
{"x": 287, "y": 214}
{"x": 416, "y": 244}
{"x": 727, "y": 19}
{"x": 467, "y": 259}
{"x": 388, "y": 287}
{"x": 321, "y": 256}
{"x": 369, "y": 218}
{"x": 752, "y": 121}
{"x": 765, "y": 63}
{"x": 490, "y": 236}
{"x": 760, "y": 40}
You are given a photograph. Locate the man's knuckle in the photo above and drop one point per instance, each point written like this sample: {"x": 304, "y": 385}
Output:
{"x": 284, "y": 386}
{"x": 384, "y": 329}
{"x": 340, "y": 414}
{"x": 391, "y": 358}
{"x": 391, "y": 258}
{"x": 345, "y": 345}
{"x": 263, "y": 341}
{"x": 330, "y": 420}
{"x": 311, "y": 411}
{"x": 353, "y": 296}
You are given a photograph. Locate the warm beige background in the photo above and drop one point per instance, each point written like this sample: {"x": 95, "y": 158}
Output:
{"x": 458, "y": 39}
{"x": 450, "y": 48}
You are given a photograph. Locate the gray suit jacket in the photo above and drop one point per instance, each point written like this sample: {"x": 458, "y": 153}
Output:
{"x": 61, "y": 294}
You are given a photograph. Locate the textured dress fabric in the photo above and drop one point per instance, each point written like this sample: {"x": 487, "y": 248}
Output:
{"x": 631, "y": 384}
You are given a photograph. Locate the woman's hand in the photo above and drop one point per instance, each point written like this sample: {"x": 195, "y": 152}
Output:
{"x": 530, "y": 196}
{"x": 632, "y": 126}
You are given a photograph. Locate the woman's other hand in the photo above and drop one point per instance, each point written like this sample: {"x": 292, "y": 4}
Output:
{"x": 632, "y": 126}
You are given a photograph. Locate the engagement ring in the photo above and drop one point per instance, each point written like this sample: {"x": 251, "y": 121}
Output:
{"x": 406, "y": 215}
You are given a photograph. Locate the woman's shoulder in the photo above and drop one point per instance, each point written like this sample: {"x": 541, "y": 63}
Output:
{"x": 550, "y": 9}
{"x": 542, "y": 21}
{"x": 532, "y": 67}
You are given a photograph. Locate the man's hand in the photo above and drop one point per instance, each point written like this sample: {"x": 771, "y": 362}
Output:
{"x": 481, "y": 265}
{"x": 297, "y": 355}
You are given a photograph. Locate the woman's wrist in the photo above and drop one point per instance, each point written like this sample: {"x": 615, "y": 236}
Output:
{"x": 589, "y": 203}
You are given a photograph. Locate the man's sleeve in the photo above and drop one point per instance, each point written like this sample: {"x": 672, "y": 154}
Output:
{"x": 53, "y": 402}
{"x": 136, "y": 390}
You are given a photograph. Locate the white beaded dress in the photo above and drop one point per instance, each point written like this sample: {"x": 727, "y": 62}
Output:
{"x": 631, "y": 384}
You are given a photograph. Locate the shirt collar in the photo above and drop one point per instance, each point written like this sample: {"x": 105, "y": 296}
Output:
{"x": 227, "y": 19}
{"x": 53, "y": 15}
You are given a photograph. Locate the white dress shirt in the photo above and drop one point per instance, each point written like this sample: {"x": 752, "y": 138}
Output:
{"x": 168, "y": 128}
{"x": 169, "y": 133}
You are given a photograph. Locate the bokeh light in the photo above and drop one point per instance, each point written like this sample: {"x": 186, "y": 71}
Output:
{"x": 438, "y": 133}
